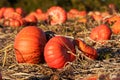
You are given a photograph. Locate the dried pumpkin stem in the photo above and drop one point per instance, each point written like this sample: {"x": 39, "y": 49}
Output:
{"x": 79, "y": 52}
{"x": 69, "y": 50}
{"x": 71, "y": 53}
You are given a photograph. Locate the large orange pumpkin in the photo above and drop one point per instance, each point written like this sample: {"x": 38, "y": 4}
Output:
{"x": 58, "y": 51}
{"x": 29, "y": 45}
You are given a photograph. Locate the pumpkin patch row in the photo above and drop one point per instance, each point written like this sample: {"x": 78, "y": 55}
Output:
{"x": 16, "y": 17}
{"x": 31, "y": 46}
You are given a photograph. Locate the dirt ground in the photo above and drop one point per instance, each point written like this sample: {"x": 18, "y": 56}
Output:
{"x": 106, "y": 67}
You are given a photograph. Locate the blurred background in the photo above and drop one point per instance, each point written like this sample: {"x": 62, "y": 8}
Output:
{"x": 88, "y": 5}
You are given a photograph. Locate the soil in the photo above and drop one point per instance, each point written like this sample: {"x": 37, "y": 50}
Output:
{"x": 106, "y": 67}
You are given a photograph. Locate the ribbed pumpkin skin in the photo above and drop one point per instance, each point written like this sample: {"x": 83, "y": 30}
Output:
{"x": 56, "y": 53}
{"x": 29, "y": 45}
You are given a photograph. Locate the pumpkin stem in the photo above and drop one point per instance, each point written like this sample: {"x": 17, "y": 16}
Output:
{"x": 71, "y": 53}
{"x": 69, "y": 50}
{"x": 83, "y": 55}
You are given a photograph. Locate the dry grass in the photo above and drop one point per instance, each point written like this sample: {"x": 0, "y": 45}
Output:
{"x": 107, "y": 64}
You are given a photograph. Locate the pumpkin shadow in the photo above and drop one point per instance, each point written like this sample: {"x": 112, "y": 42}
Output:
{"x": 105, "y": 53}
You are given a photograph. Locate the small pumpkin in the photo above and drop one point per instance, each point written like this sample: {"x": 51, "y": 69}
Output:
{"x": 29, "y": 45}
{"x": 8, "y": 11}
{"x": 2, "y": 11}
{"x": 58, "y": 51}
{"x": 111, "y": 20}
{"x": 57, "y": 15}
{"x": 13, "y": 15}
{"x": 20, "y": 11}
{"x": 39, "y": 11}
{"x": 86, "y": 49}
{"x": 116, "y": 27}
{"x": 30, "y": 19}
{"x": 100, "y": 33}
{"x": 41, "y": 16}
{"x": 74, "y": 13}
{"x": 13, "y": 22}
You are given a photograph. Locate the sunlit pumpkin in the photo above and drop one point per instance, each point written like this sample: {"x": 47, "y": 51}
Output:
{"x": 56, "y": 15}
{"x": 58, "y": 51}
{"x": 116, "y": 27}
{"x": 29, "y": 45}
{"x": 112, "y": 19}
{"x": 8, "y": 12}
{"x": 101, "y": 33}
{"x": 13, "y": 22}
{"x": 30, "y": 19}
{"x": 2, "y": 10}
{"x": 20, "y": 11}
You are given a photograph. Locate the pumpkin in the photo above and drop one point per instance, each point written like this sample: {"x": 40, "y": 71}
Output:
{"x": 100, "y": 33}
{"x": 20, "y": 11}
{"x": 92, "y": 77}
{"x": 8, "y": 12}
{"x": 58, "y": 51}
{"x": 2, "y": 11}
{"x": 13, "y": 22}
{"x": 86, "y": 49}
{"x": 39, "y": 11}
{"x": 97, "y": 17}
{"x": 29, "y": 45}
{"x": 30, "y": 19}
{"x": 112, "y": 19}
{"x": 13, "y": 15}
{"x": 116, "y": 27}
{"x": 57, "y": 15}
{"x": 41, "y": 16}
{"x": 73, "y": 14}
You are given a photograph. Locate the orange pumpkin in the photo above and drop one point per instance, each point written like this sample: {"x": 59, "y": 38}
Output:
{"x": 112, "y": 19}
{"x": 116, "y": 27}
{"x": 13, "y": 15}
{"x": 8, "y": 12}
{"x": 31, "y": 19}
{"x": 29, "y": 45}
{"x": 20, "y": 11}
{"x": 91, "y": 77}
{"x": 74, "y": 13}
{"x": 101, "y": 33}
{"x": 2, "y": 12}
{"x": 97, "y": 17}
{"x": 42, "y": 16}
{"x": 86, "y": 49}
{"x": 39, "y": 11}
{"x": 13, "y": 22}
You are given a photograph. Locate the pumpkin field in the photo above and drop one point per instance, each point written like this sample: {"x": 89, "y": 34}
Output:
{"x": 59, "y": 44}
